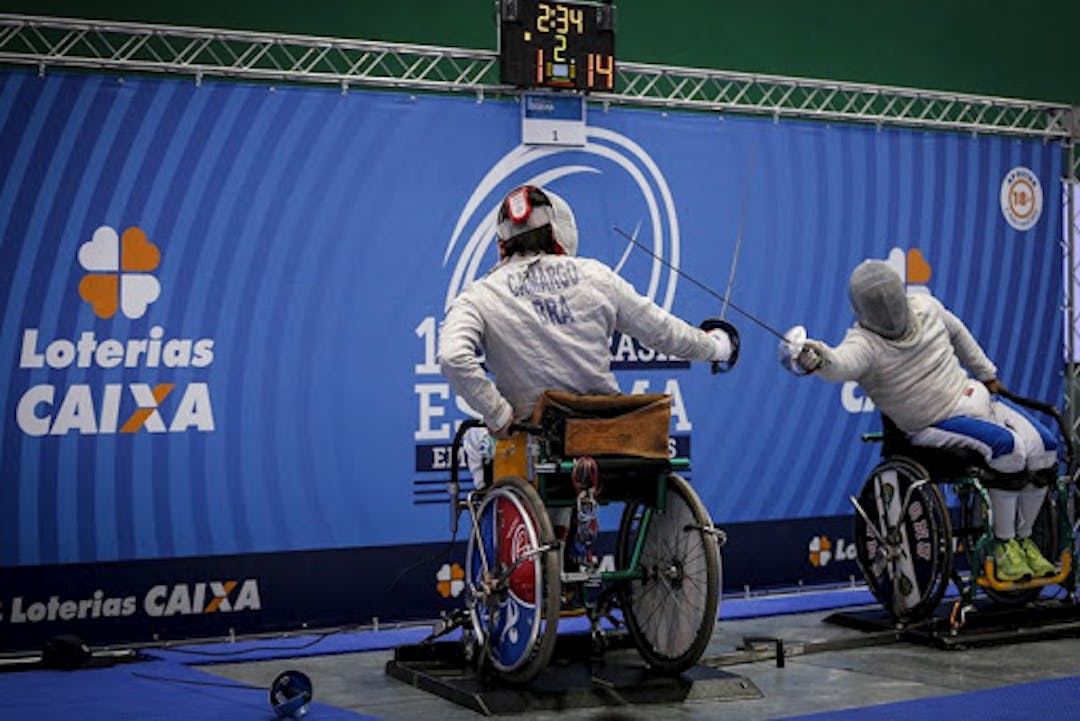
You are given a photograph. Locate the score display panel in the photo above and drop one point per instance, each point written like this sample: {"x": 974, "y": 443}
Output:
{"x": 568, "y": 45}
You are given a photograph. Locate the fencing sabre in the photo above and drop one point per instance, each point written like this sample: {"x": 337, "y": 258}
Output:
{"x": 722, "y": 298}
{"x": 739, "y": 236}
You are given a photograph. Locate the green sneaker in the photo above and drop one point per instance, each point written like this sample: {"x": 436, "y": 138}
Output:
{"x": 1009, "y": 563}
{"x": 1035, "y": 560}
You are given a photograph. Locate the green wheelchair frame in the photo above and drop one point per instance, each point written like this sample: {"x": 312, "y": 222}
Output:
{"x": 908, "y": 541}
{"x": 667, "y": 574}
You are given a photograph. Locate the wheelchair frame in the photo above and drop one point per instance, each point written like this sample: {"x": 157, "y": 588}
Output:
{"x": 667, "y": 552}
{"x": 907, "y": 543}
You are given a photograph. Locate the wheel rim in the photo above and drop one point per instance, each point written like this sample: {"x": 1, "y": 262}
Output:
{"x": 505, "y": 609}
{"x": 908, "y": 560}
{"x": 670, "y": 603}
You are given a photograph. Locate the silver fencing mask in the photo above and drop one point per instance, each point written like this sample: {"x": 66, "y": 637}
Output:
{"x": 878, "y": 297}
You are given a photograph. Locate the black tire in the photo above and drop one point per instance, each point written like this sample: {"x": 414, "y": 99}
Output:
{"x": 972, "y": 524}
{"x": 909, "y": 573}
{"x": 671, "y": 612}
{"x": 529, "y": 596}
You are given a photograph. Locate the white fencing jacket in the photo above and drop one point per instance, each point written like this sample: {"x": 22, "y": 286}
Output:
{"x": 917, "y": 379}
{"x": 545, "y": 322}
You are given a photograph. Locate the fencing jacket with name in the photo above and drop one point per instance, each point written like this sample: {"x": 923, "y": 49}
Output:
{"x": 545, "y": 322}
{"x": 916, "y": 379}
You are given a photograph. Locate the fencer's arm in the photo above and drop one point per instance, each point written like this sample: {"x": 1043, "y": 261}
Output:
{"x": 849, "y": 361}
{"x": 643, "y": 319}
{"x": 459, "y": 341}
{"x": 967, "y": 348}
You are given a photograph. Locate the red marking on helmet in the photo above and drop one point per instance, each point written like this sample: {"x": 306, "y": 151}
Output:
{"x": 518, "y": 206}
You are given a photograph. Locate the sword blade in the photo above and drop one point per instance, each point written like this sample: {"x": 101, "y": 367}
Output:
{"x": 746, "y": 314}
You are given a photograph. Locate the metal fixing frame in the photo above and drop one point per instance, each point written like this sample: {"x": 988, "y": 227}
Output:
{"x": 1071, "y": 236}
{"x": 139, "y": 47}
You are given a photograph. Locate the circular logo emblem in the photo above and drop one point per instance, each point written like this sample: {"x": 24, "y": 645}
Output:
{"x": 1021, "y": 198}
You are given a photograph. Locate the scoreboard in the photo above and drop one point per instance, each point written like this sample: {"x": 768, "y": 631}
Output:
{"x": 568, "y": 45}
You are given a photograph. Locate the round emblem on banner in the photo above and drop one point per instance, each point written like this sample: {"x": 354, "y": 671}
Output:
{"x": 1021, "y": 198}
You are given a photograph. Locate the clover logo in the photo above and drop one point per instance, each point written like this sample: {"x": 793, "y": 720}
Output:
{"x": 451, "y": 580}
{"x": 820, "y": 551}
{"x": 119, "y": 270}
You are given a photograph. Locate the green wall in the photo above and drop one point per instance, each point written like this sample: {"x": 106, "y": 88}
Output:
{"x": 997, "y": 47}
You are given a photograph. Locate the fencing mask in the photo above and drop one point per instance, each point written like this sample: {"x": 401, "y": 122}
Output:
{"x": 878, "y": 297}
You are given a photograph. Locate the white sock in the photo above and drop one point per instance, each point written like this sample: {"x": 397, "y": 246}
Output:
{"x": 1003, "y": 504}
{"x": 1030, "y": 502}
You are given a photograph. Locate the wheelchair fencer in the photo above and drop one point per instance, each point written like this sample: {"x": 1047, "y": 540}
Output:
{"x": 581, "y": 453}
{"x": 911, "y": 542}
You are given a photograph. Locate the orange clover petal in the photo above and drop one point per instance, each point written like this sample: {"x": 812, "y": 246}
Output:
{"x": 137, "y": 253}
{"x": 918, "y": 270}
{"x": 102, "y": 292}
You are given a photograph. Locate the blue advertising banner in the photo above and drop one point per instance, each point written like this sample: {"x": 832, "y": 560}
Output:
{"x": 221, "y": 302}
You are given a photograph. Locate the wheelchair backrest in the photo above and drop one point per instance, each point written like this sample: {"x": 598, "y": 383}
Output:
{"x": 597, "y": 425}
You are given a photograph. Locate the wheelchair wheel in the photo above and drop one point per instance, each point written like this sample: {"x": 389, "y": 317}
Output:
{"x": 904, "y": 539}
{"x": 973, "y": 519}
{"x": 671, "y": 611}
{"x": 512, "y": 584}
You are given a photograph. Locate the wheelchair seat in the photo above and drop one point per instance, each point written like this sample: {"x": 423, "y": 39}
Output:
{"x": 946, "y": 465}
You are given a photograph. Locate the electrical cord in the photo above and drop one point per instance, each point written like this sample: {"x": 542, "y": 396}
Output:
{"x": 193, "y": 682}
{"x": 442, "y": 554}
{"x": 234, "y": 652}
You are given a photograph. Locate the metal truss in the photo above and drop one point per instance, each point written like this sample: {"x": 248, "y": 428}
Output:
{"x": 841, "y": 101}
{"x": 135, "y": 47}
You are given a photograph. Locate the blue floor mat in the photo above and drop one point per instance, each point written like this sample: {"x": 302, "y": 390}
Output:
{"x": 155, "y": 691}
{"x": 800, "y": 602}
{"x": 1058, "y": 699}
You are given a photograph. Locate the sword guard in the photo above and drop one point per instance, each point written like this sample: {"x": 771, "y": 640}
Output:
{"x": 732, "y": 334}
{"x": 790, "y": 348}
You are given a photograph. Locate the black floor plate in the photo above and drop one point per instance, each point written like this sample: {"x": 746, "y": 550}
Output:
{"x": 986, "y": 625}
{"x": 574, "y": 679}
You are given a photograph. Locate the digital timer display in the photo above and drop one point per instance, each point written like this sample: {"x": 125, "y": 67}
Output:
{"x": 557, "y": 44}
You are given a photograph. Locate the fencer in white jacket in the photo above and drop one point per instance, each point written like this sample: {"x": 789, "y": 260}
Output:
{"x": 909, "y": 354}
{"x": 543, "y": 318}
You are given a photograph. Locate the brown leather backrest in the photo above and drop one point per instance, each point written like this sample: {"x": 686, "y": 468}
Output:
{"x": 596, "y": 425}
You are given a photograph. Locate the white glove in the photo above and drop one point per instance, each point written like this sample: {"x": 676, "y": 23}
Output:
{"x": 799, "y": 354}
{"x": 810, "y": 358}
{"x": 723, "y": 344}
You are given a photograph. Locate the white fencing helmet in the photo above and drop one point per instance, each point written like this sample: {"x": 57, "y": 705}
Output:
{"x": 879, "y": 299}
{"x": 529, "y": 216}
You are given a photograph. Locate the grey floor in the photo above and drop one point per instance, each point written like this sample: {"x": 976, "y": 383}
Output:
{"x": 826, "y": 669}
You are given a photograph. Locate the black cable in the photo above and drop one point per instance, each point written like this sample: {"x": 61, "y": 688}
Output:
{"x": 235, "y": 652}
{"x": 444, "y": 552}
{"x": 193, "y": 682}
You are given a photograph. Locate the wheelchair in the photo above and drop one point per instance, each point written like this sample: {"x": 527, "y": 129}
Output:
{"x": 581, "y": 453}
{"x": 911, "y": 542}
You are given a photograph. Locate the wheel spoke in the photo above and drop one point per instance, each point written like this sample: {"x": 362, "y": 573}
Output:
{"x": 510, "y": 590}
{"x": 669, "y": 608}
